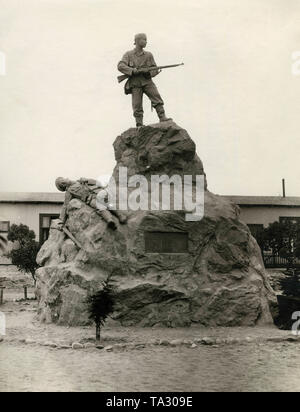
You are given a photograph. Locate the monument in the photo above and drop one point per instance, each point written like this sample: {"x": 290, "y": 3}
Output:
{"x": 168, "y": 271}
{"x": 169, "y": 267}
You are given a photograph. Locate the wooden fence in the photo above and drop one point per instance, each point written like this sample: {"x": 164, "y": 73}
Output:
{"x": 275, "y": 261}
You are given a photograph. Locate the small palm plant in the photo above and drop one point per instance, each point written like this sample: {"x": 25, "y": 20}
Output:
{"x": 100, "y": 306}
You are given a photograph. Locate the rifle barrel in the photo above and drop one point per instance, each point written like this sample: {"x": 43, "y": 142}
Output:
{"x": 125, "y": 76}
{"x": 72, "y": 237}
{"x": 170, "y": 65}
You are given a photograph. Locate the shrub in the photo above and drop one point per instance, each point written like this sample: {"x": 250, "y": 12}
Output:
{"x": 100, "y": 306}
{"x": 24, "y": 255}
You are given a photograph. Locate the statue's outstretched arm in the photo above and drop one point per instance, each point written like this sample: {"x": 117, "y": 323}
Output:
{"x": 88, "y": 181}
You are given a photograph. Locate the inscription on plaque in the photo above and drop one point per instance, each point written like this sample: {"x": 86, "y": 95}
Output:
{"x": 166, "y": 242}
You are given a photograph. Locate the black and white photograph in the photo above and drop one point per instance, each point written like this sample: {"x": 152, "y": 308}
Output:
{"x": 149, "y": 198}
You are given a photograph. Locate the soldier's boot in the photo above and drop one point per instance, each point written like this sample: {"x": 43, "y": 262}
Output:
{"x": 111, "y": 224}
{"x": 139, "y": 121}
{"x": 106, "y": 215}
{"x": 161, "y": 113}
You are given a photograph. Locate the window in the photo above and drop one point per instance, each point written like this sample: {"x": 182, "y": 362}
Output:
{"x": 285, "y": 219}
{"x": 45, "y": 223}
{"x": 255, "y": 229}
{"x": 4, "y": 227}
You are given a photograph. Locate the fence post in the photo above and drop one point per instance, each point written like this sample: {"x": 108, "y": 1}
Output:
{"x": 1, "y": 294}
{"x": 25, "y": 292}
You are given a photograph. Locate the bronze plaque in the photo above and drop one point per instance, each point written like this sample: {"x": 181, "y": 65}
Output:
{"x": 166, "y": 242}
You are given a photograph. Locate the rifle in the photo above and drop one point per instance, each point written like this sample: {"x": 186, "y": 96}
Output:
{"x": 126, "y": 76}
{"x": 72, "y": 237}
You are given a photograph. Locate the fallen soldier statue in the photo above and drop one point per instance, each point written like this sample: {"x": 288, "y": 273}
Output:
{"x": 86, "y": 190}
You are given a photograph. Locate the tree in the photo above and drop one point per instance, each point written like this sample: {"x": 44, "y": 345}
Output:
{"x": 283, "y": 238}
{"x": 100, "y": 306}
{"x": 24, "y": 255}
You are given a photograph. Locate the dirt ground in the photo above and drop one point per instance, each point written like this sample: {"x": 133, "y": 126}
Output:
{"x": 38, "y": 357}
{"x": 272, "y": 367}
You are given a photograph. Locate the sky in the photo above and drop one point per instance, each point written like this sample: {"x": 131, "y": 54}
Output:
{"x": 61, "y": 107}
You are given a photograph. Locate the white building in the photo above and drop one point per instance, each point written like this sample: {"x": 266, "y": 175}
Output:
{"x": 36, "y": 210}
{"x": 259, "y": 211}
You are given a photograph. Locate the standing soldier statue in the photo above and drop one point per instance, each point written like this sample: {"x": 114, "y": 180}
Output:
{"x": 138, "y": 67}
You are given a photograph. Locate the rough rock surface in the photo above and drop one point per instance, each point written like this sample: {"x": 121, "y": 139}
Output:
{"x": 220, "y": 281}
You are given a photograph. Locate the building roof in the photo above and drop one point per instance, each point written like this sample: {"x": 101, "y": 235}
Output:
{"x": 58, "y": 198}
{"x": 34, "y": 197}
{"x": 274, "y": 201}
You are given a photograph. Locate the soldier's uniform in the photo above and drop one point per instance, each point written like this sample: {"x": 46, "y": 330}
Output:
{"x": 141, "y": 83}
{"x": 87, "y": 193}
